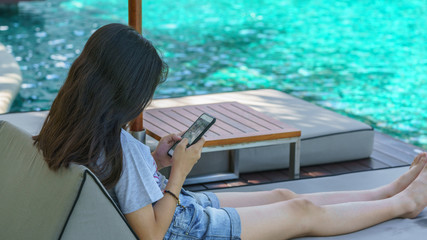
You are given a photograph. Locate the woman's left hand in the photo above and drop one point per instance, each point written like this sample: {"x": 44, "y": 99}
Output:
{"x": 160, "y": 155}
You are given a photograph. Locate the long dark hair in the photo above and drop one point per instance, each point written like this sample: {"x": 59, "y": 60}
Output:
{"x": 108, "y": 85}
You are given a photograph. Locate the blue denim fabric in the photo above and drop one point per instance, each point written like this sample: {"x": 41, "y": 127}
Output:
{"x": 201, "y": 218}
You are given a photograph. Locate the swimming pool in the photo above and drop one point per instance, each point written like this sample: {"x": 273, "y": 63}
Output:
{"x": 364, "y": 59}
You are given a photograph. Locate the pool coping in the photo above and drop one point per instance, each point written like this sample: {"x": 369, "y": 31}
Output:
{"x": 10, "y": 79}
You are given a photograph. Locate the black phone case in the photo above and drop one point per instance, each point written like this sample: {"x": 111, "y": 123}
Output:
{"x": 200, "y": 135}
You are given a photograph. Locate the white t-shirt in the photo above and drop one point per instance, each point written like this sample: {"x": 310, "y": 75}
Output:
{"x": 140, "y": 183}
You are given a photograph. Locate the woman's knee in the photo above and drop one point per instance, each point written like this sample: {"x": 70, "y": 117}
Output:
{"x": 283, "y": 194}
{"x": 302, "y": 207}
{"x": 304, "y": 212}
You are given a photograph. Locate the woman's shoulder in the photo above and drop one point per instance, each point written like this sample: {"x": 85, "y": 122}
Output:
{"x": 126, "y": 137}
{"x": 130, "y": 143}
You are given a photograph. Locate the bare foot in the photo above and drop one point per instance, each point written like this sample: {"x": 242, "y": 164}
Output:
{"x": 417, "y": 159}
{"x": 416, "y": 193}
{"x": 407, "y": 178}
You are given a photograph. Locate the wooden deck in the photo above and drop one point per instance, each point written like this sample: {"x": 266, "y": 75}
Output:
{"x": 388, "y": 152}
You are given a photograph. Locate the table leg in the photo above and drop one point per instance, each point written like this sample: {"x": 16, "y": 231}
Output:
{"x": 294, "y": 160}
{"x": 233, "y": 172}
{"x": 234, "y": 162}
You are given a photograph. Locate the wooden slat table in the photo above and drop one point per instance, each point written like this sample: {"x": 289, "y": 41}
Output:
{"x": 237, "y": 126}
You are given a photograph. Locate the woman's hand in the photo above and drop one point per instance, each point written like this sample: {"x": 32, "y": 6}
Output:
{"x": 184, "y": 158}
{"x": 160, "y": 155}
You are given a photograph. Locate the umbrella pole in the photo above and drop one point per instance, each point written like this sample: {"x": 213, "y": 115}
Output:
{"x": 135, "y": 14}
{"x": 135, "y": 21}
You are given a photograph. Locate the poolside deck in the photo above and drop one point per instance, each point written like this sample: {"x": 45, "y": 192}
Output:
{"x": 388, "y": 152}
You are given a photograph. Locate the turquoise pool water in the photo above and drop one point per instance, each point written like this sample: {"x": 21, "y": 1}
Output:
{"x": 364, "y": 59}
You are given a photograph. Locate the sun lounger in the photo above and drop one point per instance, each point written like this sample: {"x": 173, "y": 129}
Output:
{"x": 10, "y": 79}
{"x": 326, "y": 136}
{"x": 396, "y": 229}
{"x": 37, "y": 203}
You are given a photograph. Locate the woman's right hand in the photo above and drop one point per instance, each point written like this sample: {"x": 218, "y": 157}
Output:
{"x": 184, "y": 158}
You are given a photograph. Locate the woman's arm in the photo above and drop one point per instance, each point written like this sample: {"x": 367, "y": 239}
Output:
{"x": 152, "y": 222}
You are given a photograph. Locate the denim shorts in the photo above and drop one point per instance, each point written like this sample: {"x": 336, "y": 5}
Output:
{"x": 200, "y": 217}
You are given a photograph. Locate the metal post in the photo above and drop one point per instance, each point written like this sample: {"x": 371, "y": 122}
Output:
{"x": 294, "y": 160}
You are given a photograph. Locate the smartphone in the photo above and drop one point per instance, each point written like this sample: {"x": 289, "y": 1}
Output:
{"x": 196, "y": 131}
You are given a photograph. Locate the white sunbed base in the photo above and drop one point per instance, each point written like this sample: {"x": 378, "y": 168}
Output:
{"x": 396, "y": 229}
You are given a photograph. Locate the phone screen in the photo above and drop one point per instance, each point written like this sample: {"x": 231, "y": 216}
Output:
{"x": 197, "y": 128}
{"x": 195, "y": 132}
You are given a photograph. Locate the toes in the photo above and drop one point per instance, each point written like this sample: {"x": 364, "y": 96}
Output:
{"x": 416, "y": 160}
{"x": 420, "y": 158}
{"x": 423, "y": 158}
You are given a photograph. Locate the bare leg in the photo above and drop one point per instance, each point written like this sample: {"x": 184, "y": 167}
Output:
{"x": 379, "y": 193}
{"x": 234, "y": 199}
{"x": 300, "y": 217}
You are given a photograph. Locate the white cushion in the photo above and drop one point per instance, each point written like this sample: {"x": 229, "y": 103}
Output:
{"x": 326, "y": 136}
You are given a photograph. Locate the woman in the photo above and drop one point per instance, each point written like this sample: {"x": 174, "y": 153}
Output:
{"x": 110, "y": 83}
